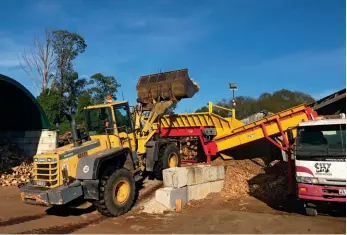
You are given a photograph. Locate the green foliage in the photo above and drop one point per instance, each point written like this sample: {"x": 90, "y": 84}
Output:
{"x": 276, "y": 102}
{"x": 68, "y": 93}
{"x": 51, "y": 103}
{"x": 84, "y": 100}
{"x": 202, "y": 110}
{"x": 64, "y": 126}
{"x": 67, "y": 46}
{"x": 104, "y": 85}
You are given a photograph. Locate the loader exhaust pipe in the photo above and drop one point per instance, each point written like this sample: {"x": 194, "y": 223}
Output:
{"x": 76, "y": 140}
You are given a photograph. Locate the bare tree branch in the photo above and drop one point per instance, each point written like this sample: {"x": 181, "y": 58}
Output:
{"x": 29, "y": 70}
{"x": 40, "y": 63}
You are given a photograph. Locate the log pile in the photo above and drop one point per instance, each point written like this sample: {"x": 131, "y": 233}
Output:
{"x": 19, "y": 174}
{"x": 65, "y": 139}
{"x": 189, "y": 148}
{"x": 15, "y": 168}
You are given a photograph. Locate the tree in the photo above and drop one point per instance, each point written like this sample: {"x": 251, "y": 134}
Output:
{"x": 51, "y": 104}
{"x": 67, "y": 46}
{"x": 275, "y": 102}
{"x": 202, "y": 110}
{"x": 84, "y": 100}
{"x": 105, "y": 85}
{"x": 39, "y": 63}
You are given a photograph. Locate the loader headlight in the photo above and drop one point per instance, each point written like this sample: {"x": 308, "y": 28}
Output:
{"x": 35, "y": 160}
{"x": 49, "y": 159}
{"x": 307, "y": 180}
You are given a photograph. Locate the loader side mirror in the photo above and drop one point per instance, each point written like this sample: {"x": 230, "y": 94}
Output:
{"x": 290, "y": 136}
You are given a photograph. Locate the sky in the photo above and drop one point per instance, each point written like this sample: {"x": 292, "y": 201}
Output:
{"x": 262, "y": 46}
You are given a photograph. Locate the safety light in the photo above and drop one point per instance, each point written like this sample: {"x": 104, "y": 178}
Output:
{"x": 109, "y": 99}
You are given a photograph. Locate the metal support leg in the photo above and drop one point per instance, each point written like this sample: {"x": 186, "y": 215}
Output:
{"x": 286, "y": 149}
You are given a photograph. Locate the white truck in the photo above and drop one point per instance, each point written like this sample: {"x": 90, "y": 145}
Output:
{"x": 320, "y": 163}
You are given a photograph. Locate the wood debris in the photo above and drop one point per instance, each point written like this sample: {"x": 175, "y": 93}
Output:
{"x": 15, "y": 168}
{"x": 249, "y": 177}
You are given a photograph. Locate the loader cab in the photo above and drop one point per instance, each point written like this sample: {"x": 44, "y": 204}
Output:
{"x": 111, "y": 123}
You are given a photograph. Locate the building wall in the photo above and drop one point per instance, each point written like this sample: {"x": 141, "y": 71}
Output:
{"x": 31, "y": 142}
{"x": 22, "y": 120}
{"x": 19, "y": 109}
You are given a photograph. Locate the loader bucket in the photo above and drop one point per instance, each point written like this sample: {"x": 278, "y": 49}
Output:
{"x": 174, "y": 85}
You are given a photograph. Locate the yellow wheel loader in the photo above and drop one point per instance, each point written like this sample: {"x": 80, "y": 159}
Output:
{"x": 122, "y": 148}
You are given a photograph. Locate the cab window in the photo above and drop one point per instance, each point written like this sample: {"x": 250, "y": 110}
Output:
{"x": 122, "y": 116}
{"x": 98, "y": 120}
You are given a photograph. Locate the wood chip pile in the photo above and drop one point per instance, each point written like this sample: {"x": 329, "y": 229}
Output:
{"x": 246, "y": 178}
{"x": 14, "y": 167}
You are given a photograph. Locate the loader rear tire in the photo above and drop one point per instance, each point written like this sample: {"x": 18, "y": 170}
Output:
{"x": 169, "y": 156}
{"x": 117, "y": 193}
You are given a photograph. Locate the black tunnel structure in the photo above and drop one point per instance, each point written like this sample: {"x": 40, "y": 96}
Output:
{"x": 19, "y": 109}
{"x": 331, "y": 104}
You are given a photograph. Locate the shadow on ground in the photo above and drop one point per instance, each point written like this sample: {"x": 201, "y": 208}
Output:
{"x": 80, "y": 207}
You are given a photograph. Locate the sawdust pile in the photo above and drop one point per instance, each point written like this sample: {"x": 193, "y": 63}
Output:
{"x": 15, "y": 168}
{"x": 249, "y": 177}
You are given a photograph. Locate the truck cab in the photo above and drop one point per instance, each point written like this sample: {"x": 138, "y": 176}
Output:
{"x": 320, "y": 163}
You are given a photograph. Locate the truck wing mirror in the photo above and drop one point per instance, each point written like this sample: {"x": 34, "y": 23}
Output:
{"x": 290, "y": 136}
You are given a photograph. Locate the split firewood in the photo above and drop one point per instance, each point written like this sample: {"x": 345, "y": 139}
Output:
{"x": 14, "y": 166}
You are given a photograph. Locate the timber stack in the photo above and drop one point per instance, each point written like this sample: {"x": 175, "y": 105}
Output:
{"x": 189, "y": 148}
{"x": 15, "y": 168}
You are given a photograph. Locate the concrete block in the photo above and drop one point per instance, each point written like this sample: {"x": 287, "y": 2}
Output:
{"x": 167, "y": 196}
{"x": 48, "y": 140}
{"x": 216, "y": 173}
{"x": 50, "y": 134}
{"x": 198, "y": 191}
{"x": 205, "y": 172}
{"x": 196, "y": 175}
{"x": 31, "y": 134}
{"x": 216, "y": 186}
{"x": 220, "y": 172}
{"x": 16, "y": 134}
{"x": 175, "y": 177}
{"x": 45, "y": 147}
{"x": 34, "y": 140}
{"x": 20, "y": 141}
{"x": 213, "y": 173}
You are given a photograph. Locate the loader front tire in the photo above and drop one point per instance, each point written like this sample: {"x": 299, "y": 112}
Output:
{"x": 117, "y": 193}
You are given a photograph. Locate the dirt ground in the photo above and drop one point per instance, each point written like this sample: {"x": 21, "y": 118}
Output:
{"x": 212, "y": 215}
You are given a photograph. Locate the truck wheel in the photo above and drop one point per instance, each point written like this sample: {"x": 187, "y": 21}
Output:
{"x": 117, "y": 193}
{"x": 169, "y": 157}
{"x": 310, "y": 209}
